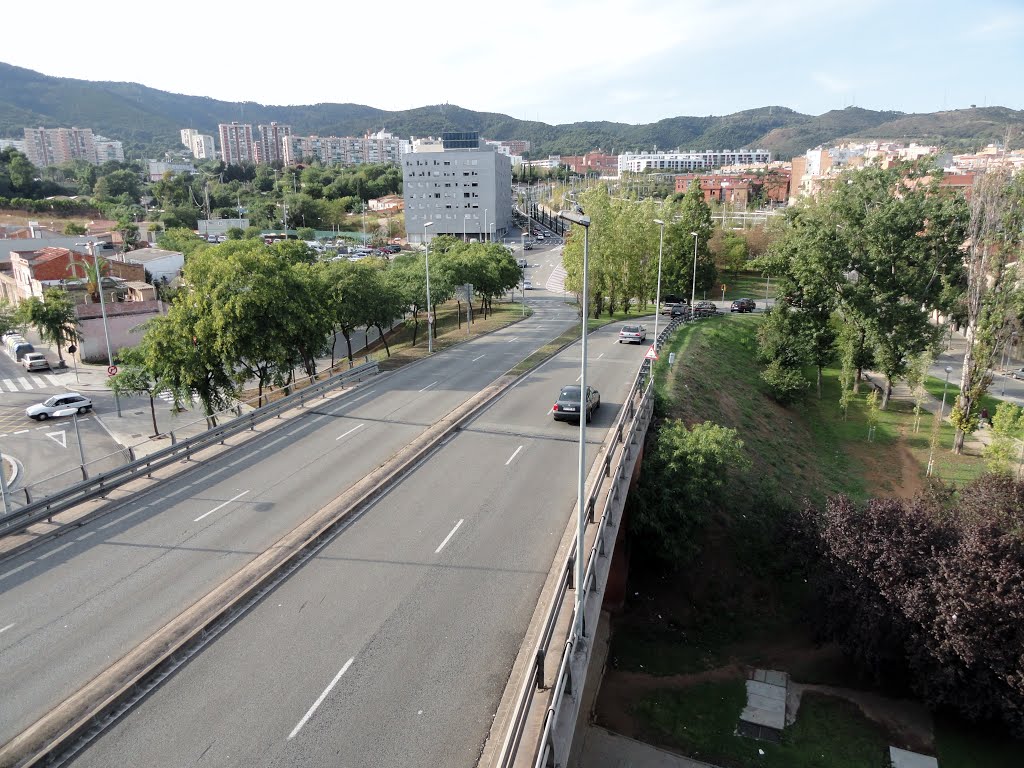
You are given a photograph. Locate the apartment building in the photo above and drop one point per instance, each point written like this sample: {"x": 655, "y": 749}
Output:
{"x": 53, "y": 146}
{"x": 235, "y": 143}
{"x": 632, "y": 162}
{"x": 379, "y": 147}
{"x": 461, "y": 186}
{"x": 200, "y": 145}
{"x": 108, "y": 149}
{"x": 269, "y": 149}
{"x": 599, "y": 162}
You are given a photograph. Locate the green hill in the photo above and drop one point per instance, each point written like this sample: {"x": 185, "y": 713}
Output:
{"x": 149, "y": 121}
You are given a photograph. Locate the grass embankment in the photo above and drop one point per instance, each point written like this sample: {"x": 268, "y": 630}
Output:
{"x": 739, "y": 285}
{"x": 680, "y": 647}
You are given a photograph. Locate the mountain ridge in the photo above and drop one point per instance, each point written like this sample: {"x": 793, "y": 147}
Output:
{"x": 148, "y": 120}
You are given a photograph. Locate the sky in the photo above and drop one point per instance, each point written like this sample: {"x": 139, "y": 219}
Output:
{"x": 631, "y": 61}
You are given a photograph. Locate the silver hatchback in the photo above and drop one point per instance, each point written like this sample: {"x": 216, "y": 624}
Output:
{"x": 52, "y": 405}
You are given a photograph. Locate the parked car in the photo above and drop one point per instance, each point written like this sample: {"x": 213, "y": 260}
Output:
{"x": 35, "y": 361}
{"x": 666, "y": 306}
{"x": 743, "y": 305}
{"x": 567, "y": 407}
{"x": 633, "y": 333}
{"x": 705, "y": 308}
{"x": 522, "y": 263}
{"x": 527, "y": 285}
{"x": 50, "y": 406}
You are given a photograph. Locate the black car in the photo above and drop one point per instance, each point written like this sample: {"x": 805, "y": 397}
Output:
{"x": 705, "y": 308}
{"x": 567, "y": 407}
{"x": 743, "y": 305}
{"x": 679, "y": 310}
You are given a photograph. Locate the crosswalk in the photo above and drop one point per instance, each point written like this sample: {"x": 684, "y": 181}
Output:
{"x": 27, "y": 384}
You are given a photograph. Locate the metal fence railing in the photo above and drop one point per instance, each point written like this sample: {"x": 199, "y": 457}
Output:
{"x": 44, "y": 498}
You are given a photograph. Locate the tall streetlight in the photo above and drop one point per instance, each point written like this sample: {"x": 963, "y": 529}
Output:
{"x": 103, "y": 313}
{"x": 584, "y": 221}
{"x": 430, "y": 318}
{"x": 693, "y": 292}
{"x": 484, "y": 237}
{"x": 942, "y": 408}
{"x": 657, "y": 296}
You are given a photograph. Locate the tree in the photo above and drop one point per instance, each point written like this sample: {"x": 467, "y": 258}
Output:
{"x": 689, "y": 468}
{"x": 73, "y": 229}
{"x": 179, "y": 239}
{"x": 993, "y": 288}
{"x": 136, "y": 375}
{"x": 9, "y": 317}
{"x": 54, "y": 317}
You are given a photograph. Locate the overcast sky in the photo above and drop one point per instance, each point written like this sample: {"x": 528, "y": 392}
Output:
{"x": 633, "y": 61}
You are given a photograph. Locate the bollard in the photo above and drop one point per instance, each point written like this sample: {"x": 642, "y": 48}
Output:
{"x": 538, "y": 669}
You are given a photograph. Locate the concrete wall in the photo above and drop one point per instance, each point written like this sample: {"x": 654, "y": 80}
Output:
{"x": 120, "y": 323}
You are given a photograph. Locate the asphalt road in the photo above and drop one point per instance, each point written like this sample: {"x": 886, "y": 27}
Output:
{"x": 71, "y": 607}
{"x": 393, "y": 644}
{"x": 44, "y": 450}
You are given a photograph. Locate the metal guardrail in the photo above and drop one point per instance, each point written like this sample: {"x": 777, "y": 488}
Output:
{"x": 634, "y": 415}
{"x": 62, "y": 500}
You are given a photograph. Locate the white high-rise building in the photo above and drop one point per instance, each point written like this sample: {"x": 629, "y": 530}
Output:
{"x": 638, "y": 162}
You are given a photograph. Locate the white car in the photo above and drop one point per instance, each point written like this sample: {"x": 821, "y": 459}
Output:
{"x": 527, "y": 285}
{"x": 50, "y": 406}
{"x": 633, "y": 333}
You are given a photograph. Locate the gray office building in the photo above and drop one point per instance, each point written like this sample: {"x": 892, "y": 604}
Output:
{"x": 463, "y": 187}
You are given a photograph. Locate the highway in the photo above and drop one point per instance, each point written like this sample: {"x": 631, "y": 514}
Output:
{"x": 72, "y": 606}
{"x": 392, "y": 645}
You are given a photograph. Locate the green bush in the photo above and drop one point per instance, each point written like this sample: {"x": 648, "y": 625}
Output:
{"x": 787, "y": 385}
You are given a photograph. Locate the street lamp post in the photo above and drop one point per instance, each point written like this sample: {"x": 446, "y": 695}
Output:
{"x": 657, "y": 295}
{"x": 942, "y": 408}
{"x": 484, "y": 236}
{"x": 3, "y": 486}
{"x": 693, "y": 292}
{"x": 103, "y": 313}
{"x": 430, "y": 318}
{"x": 581, "y": 512}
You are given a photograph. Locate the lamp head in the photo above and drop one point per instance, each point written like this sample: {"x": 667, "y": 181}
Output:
{"x": 659, "y": 222}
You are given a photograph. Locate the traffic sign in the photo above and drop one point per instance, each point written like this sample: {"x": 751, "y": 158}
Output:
{"x": 111, "y": 370}
{"x": 651, "y": 354}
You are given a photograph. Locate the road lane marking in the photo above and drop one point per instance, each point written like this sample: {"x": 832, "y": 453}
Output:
{"x": 13, "y": 571}
{"x": 55, "y": 551}
{"x": 514, "y": 338}
{"x": 10, "y": 385}
{"x": 320, "y": 700}
{"x": 449, "y": 536}
{"x": 4, "y": 629}
{"x": 516, "y": 453}
{"x": 579, "y": 377}
{"x": 25, "y": 383}
{"x": 220, "y": 506}
{"x": 428, "y": 386}
{"x": 357, "y": 426}
{"x": 53, "y": 379}
{"x": 600, "y": 356}
{"x": 477, "y": 358}
{"x": 20, "y": 432}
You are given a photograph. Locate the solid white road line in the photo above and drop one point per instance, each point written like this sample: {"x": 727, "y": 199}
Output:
{"x": 477, "y": 358}
{"x": 10, "y": 385}
{"x": 428, "y": 386}
{"x": 516, "y": 453}
{"x": 357, "y": 426}
{"x": 449, "y": 536}
{"x": 4, "y": 629}
{"x": 20, "y": 432}
{"x": 514, "y": 338}
{"x": 320, "y": 700}
{"x": 13, "y": 571}
{"x": 220, "y": 506}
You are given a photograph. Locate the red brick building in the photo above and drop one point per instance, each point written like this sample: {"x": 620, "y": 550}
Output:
{"x": 738, "y": 189}
{"x": 605, "y": 165}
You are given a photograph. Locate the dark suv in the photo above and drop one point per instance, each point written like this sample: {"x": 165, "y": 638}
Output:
{"x": 743, "y": 305}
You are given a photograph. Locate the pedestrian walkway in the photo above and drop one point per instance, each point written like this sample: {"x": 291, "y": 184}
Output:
{"x": 31, "y": 381}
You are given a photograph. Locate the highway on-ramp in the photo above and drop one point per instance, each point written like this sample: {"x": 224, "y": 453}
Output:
{"x": 74, "y": 605}
{"x": 392, "y": 644}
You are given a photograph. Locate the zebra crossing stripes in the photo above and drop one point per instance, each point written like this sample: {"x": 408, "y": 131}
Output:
{"x": 25, "y": 384}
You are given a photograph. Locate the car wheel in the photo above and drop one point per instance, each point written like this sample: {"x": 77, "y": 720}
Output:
{"x": 83, "y": 409}
{"x": 42, "y": 417}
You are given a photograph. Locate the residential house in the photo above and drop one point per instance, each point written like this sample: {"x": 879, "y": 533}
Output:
{"x": 162, "y": 265}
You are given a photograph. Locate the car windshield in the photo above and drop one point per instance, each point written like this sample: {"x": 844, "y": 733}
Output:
{"x": 51, "y": 400}
{"x": 630, "y": 328}
{"x": 569, "y": 393}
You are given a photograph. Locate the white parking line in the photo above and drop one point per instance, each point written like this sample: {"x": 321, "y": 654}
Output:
{"x": 600, "y": 356}
{"x": 357, "y": 426}
{"x": 477, "y": 358}
{"x": 220, "y": 506}
{"x": 516, "y": 453}
{"x": 449, "y": 536}
{"x": 579, "y": 377}
{"x": 320, "y": 700}
{"x": 428, "y": 386}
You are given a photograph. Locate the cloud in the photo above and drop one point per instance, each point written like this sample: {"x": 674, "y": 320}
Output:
{"x": 832, "y": 84}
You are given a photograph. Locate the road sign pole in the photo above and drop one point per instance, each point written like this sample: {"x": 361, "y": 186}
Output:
{"x": 81, "y": 448}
